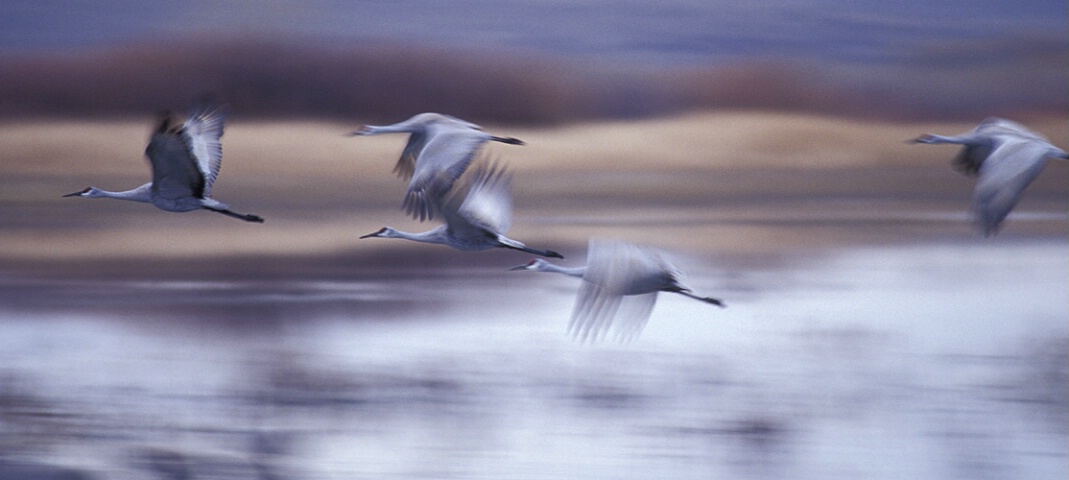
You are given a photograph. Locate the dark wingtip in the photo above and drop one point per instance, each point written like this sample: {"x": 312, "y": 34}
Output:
{"x": 164, "y": 118}
{"x": 509, "y": 140}
{"x": 418, "y": 205}
{"x": 552, "y": 254}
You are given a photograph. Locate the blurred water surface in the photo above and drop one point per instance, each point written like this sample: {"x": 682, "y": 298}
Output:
{"x": 941, "y": 360}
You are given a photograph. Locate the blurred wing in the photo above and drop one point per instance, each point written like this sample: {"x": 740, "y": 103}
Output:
{"x": 627, "y": 268}
{"x": 1011, "y": 167}
{"x": 998, "y": 131}
{"x": 406, "y": 165}
{"x": 598, "y": 311}
{"x": 202, "y": 133}
{"x": 488, "y": 203}
{"x": 448, "y": 151}
{"x": 970, "y": 158}
{"x": 175, "y": 173}
{"x": 612, "y": 296}
{"x": 633, "y": 315}
{"x": 593, "y": 312}
{"x": 997, "y": 127}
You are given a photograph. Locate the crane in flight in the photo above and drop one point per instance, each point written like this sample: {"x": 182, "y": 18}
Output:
{"x": 476, "y": 220}
{"x": 185, "y": 160}
{"x": 619, "y": 289}
{"x": 1006, "y": 157}
{"x": 439, "y": 149}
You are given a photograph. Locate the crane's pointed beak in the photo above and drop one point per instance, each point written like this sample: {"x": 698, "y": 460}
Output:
{"x": 76, "y": 194}
{"x": 376, "y": 233}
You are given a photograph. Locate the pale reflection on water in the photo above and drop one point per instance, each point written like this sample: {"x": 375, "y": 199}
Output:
{"x": 926, "y": 361}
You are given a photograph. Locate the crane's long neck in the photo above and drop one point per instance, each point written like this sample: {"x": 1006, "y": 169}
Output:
{"x": 403, "y": 127}
{"x": 966, "y": 139}
{"x": 434, "y": 235}
{"x": 576, "y": 272}
{"x": 139, "y": 194}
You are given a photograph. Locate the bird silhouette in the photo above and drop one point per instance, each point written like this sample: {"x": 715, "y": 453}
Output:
{"x": 439, "y": 149}
{"x": 1006, "y": 157}
{"x": 619, "y": 289}
{"x": 185, "y": 160}
{"x": 475, "y": 220}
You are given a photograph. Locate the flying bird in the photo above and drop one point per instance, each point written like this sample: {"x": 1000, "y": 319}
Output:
{"x": 619, "y": 289}
{"x": 185, "y": 160}
{"x": 476, "y": 220}
{"x": 439, "y": 149}
{"x": 1006, "y": 157}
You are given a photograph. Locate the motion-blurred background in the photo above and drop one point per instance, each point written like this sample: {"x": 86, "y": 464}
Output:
{"x": 535, "y": 62}
{"x": 870, "y": 331}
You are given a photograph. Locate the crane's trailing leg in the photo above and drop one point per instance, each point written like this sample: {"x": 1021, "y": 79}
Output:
{"x": 248, "y": 217}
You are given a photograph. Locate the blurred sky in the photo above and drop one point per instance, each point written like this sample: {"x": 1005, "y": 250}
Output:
{"x": 657, "y": 32}
{"x": 952, "y": 58}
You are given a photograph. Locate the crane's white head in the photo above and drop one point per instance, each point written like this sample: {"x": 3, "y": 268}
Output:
{"x": 363, "y": 130}
{"x": 384, "y": 232}
{"x": 926, "y": 138}
{"x": 536, "y": 265}
{"x": 88, "y": 192}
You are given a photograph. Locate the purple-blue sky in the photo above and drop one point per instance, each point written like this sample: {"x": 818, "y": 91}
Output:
{"x": 645, "y": 32}
{"x": 941, "y": 53}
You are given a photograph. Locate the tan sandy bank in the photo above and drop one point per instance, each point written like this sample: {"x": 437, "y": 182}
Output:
{"x": 721, "y": 182}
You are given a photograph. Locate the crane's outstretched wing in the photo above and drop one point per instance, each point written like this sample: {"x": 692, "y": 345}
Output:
{"x": 995, "y": 127}
{"x": 446, "y": 154}
{"x": 970, "y": 158}
{"x": 598, "y": 311}
{"x": 995, "y": 131}
{"x": 618, "y": 292}
{"x": 488, "y": 202}
{"x": 202, "y": 132}
{"x": 406, "y": 165}
{"x": 1013, "y": 164}
{"x": 175, "y": 173}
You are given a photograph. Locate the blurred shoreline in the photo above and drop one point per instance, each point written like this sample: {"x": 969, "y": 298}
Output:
{"x": 268, "y": 79}
{"x": 718, "y": 185}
